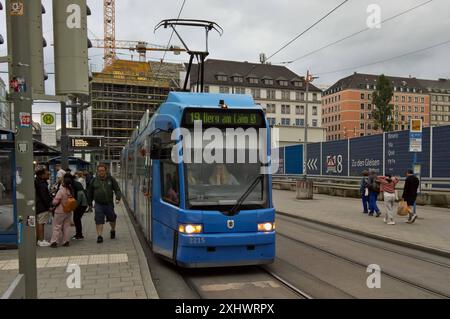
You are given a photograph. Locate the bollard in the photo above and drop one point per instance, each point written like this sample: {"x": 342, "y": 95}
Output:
{"x": 304, "y": 189}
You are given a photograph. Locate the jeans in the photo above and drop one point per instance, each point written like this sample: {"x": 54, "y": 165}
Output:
{"x": 365, "y": 202}
{"x": 389, "y": 200}
{"x": 77, "y": 215}
{"x": 373, "y": 196}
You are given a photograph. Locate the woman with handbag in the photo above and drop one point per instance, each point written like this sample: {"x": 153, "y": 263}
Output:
{"x": 388, "y": 184}
{"x": 65, "y": 204}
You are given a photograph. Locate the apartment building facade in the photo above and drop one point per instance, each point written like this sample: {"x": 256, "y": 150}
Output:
{"x": 281, "y": 92}
{"x": 439, "y": 91}
{"x": 347, "y": 105}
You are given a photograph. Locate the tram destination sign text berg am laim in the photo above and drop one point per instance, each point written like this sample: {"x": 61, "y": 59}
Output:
{"x": 223, "y": 118}
{"x": 86, "y": 142}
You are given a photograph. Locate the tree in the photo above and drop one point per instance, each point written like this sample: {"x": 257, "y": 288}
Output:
{"x": 382, "y": 110}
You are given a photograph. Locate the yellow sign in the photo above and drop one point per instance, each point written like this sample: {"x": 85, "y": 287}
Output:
{"x": 48, "y": 118}
{"x": 416, "y": 125}
{"x": 16, "y": 8}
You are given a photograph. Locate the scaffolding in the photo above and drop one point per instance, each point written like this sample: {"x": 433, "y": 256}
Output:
{"x": 122, "y": 93}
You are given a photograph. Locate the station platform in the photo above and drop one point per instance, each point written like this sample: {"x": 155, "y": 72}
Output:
{"x": 115, "y": 269}
{"x": 430, "y": 232}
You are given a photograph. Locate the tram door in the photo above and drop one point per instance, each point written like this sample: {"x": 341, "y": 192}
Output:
{"x": 8, "y": 229}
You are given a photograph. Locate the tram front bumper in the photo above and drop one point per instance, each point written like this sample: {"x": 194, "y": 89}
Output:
{"x": 225, "y": 249}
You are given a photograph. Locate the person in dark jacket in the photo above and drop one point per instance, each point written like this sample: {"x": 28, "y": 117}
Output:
{"x": 43, "y": 205}
{"x": 410, "y": 193}
{"x": 374, "y": 191}
{"x": 102, "y": 190}
{"x": 81, "y": 197}
{"x": 364, "y": 191}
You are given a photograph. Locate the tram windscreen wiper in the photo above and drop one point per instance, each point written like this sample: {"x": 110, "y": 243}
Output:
{"x": 243, "y": 197}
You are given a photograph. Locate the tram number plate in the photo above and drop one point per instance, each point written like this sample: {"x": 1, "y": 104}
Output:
{"x": 196, "y": 240}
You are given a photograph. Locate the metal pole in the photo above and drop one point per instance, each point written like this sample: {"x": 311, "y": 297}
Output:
{"x": 20, "y": 73}
{"x": 64, "y": 138}
{"x": 305, "y": 142}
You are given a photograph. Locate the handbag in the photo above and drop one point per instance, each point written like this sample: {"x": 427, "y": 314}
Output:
{"x": 70, "y": 204}
{"x": 403, "y": 208}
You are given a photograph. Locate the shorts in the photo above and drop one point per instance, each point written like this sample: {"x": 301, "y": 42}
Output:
{"x": 104, "y": 211}
{"x": 43, "y": 218}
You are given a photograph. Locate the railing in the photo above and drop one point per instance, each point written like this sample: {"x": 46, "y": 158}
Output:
{"x": 428, "y": 185}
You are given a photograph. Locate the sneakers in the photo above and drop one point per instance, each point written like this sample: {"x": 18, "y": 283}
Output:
{"x": 385, "y": 220}
{"x": 78, "y": 237}
{"x": 370, "y": 214}
{"x": 413, "y": 219}
{"x": 66, "y": 244}
{"x": 378, "y": 214}
{"x": 99, "y": 239}
{"x": 53, "y": 245}
{"x": 113, "y": 234}
{"x": 43, "y": 243}
{"x": 391, "y": 222}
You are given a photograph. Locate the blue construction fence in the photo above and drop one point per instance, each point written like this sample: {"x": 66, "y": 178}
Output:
{"x": 386, "y": 153}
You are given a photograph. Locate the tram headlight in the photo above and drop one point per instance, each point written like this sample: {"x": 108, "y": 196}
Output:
{"x": 190, "y": 229}
{"x": 266, "y": 226}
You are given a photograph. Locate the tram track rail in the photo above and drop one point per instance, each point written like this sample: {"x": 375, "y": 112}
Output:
{"x": 360, "y": 264}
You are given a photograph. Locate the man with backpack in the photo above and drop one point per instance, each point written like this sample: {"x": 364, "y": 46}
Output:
{"x": 374, "y": 190}
{"x": 101, "y": 190}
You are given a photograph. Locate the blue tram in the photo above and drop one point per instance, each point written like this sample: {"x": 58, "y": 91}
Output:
{"x": 201, "y": 205}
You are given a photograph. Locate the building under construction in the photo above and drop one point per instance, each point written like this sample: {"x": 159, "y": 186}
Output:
{"x": 121, "y": 94}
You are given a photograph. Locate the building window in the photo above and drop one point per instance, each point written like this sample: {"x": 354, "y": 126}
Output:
{"x": 206, "y": 88}
{"x": 224, "y": 89}
{"x": 416, "y": 99}
{"x": 253, "y": 80}
{"x": 369, "y": 126}
{"x": 239, "y": 90}
{"x": 285, "y": 109}
{"x": 396, "y": 99}
{"x": 256, "y": 93}
{"x": 416, "y": 109}
{"x": 300, "y": 109}
{"x": 285, "y": 121}
{"x": 422, "y": 100}
{"x": 361, "y": 126}
{"x": 314, "y": 110}
{"x": 299, "y": 122}
{"x": 285, "y": 95}
{"x": 314, "y": 123}
{"x": 314, "y": 96}
{"x": 362, "y": 96}
{"x": 284, "y": 83}
{"x": 222, "y": 78}
{"x": 238, "y": 79}
{"x": 409, "y": 108}
{"x": 298, "y": 96}
{"x": 271, "y": 121}
{"x": 271, "y": 108}
{"x": 422, "y": 109}
{"x": 403, "y": 108}
{"x": 271, "y": 94}
{"x": 409, "y": 99}
{"x": 298, "y": 84}
{"x": 369, "y": 106}
{"x": 403, "y": 99}
{"x": 268, "y": 81}
{"x": 362, "y": 116}
{"x": 362, "y": 106}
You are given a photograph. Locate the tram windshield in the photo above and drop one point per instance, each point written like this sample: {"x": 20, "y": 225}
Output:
{"x": 221, "y": 184}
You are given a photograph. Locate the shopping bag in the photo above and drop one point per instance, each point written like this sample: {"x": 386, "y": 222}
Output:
{"x": 403, "y": 208}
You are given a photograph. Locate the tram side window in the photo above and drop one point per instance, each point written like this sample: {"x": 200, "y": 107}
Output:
{"x": 169, "y": 183}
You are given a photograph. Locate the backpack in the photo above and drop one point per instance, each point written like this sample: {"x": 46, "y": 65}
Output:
{"x": 70, "y": 205}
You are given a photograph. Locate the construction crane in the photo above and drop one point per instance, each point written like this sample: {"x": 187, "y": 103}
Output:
{"x": 110, "y": 44}
{"x": 140, "y": 47}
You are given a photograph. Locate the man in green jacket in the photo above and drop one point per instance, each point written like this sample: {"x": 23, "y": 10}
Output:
{"x": 102, "y": 190}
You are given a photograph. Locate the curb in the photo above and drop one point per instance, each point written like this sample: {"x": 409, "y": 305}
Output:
{"x": 147, "y": 280}
{"x": 426, "y": 249}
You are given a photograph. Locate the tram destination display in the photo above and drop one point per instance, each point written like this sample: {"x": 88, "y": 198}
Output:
{"x": 223, "y": 118}
{"x": 86, "y": 142}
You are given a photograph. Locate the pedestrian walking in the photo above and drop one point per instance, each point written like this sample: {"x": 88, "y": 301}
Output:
{"x": 82, "y": 201}
{"x": 43, "y": 205}
{"x": 388, "y": 184}
{"x": 102, "y": 190}
{"x": 410, "y": 194}
{"x": 364, "y": 191}
{"x": 374, "y": 191}
{"x": 79, "y": 177}
{"x": 65, "y": 204}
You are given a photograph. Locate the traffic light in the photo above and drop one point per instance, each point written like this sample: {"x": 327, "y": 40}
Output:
{"x": 71, "y": 47}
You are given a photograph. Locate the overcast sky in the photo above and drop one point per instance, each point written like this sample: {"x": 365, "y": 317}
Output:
{"x": 255, "y": 26}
